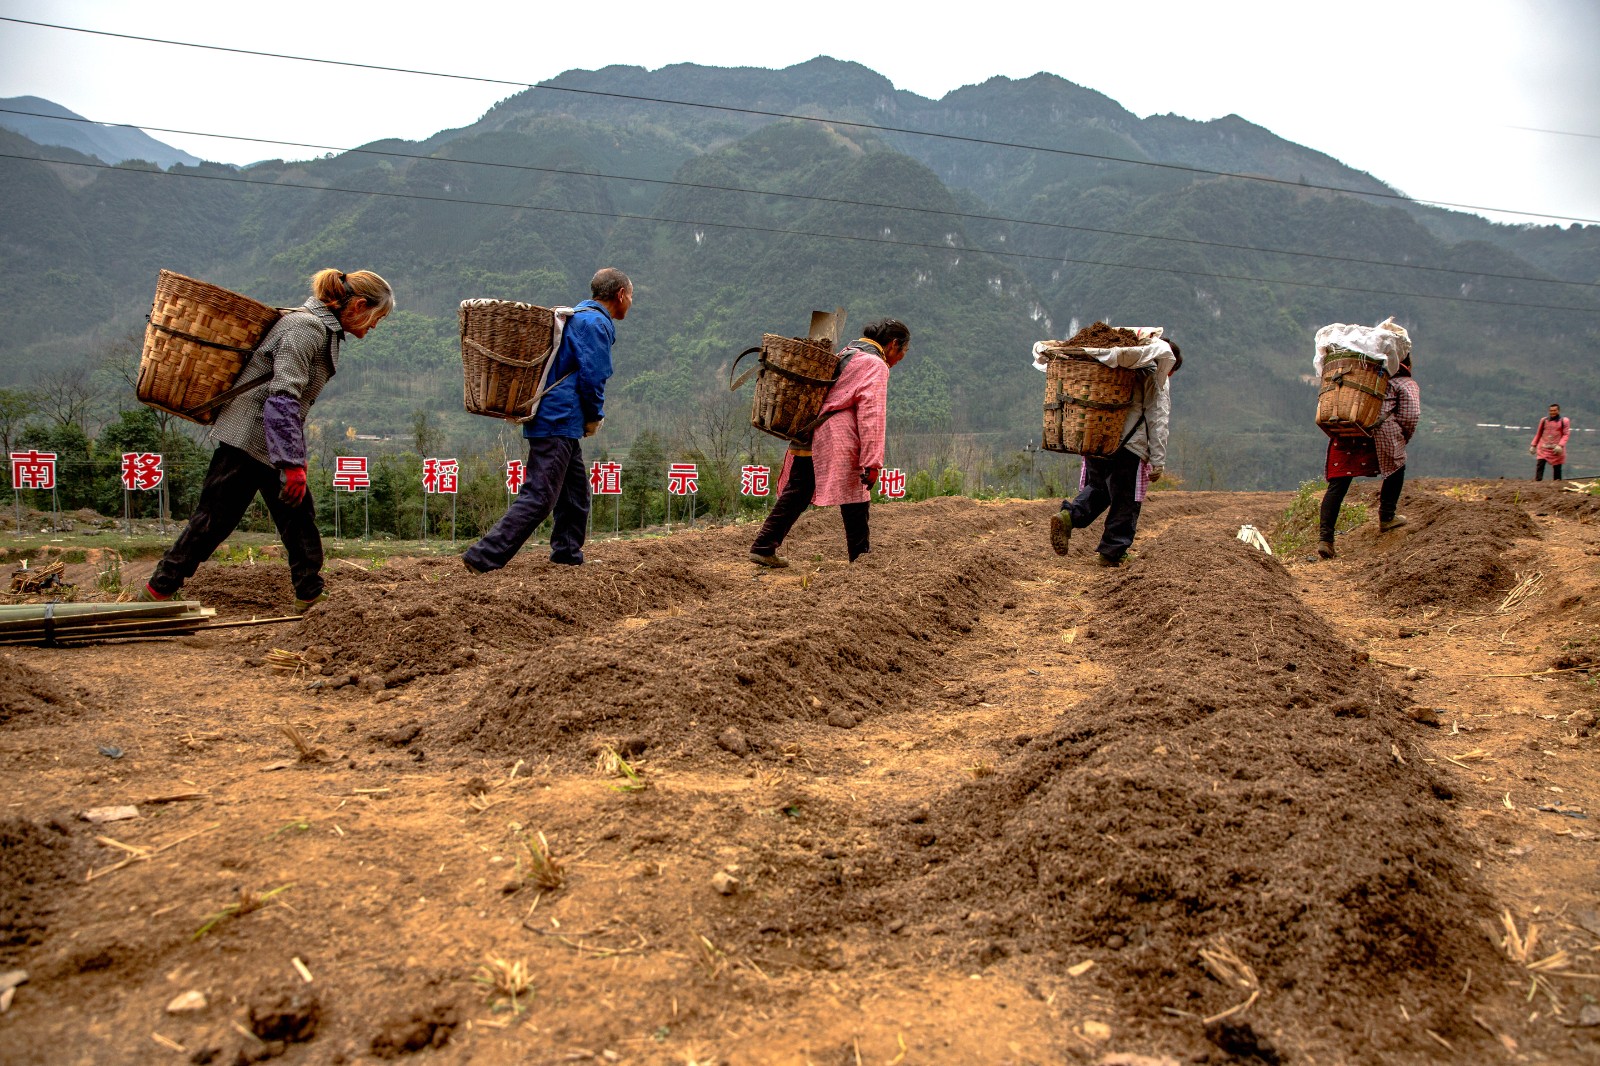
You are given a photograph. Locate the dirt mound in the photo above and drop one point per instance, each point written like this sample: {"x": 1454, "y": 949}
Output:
{"x": 34, "y": 863}
{"x": 1244, "y": 786}
{"x": 1453, "y": 553}
{"x": 820, "y": 643}
{"x": 1100, "y": 335}
{"x": 26, "y": 691}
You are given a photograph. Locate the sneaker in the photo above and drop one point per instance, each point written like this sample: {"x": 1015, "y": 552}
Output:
{"x": 146, "y": 594}
{"x": 302, "y": 606}
{"x": 566, "y": 562}
{"x": 775, "y": 561}
{"x": 1061, "y": 531}
{"x": 1106, "y": 560}
{"x": 1386, "y": 524}
{"x": 1325, "y": 550}
{"x": 470, "y": 568}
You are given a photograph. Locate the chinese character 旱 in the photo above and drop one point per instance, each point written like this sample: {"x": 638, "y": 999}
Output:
{"x": 350, "y": 473}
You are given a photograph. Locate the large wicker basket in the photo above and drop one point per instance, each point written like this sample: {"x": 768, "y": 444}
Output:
{"x": 198, "y": 339}
{"x": 792, "y": 382}
{"x": 505, "y": 348}
{"x": 1350, "y": 401}
{"x": 1085, "y": 402}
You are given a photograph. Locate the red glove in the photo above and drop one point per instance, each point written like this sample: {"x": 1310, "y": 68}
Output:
{"x": 294, "y": 485}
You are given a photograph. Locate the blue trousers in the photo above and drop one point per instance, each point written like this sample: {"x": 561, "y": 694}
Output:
{"x": 1108, "y": 489}
{"x": 556, "y": 480}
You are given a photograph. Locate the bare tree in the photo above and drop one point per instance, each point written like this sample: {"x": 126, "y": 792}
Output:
{"x": 67, "y": 393}
{"x": 16, "y": 405}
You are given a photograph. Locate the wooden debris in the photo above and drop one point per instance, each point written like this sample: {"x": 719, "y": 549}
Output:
{"x": 1522, "y": 590}
{"x": 31, "y": 582}
{"x": 138, "y": 853}
{"x": 99, "y": 815}
{"x": 1222, "y": 963}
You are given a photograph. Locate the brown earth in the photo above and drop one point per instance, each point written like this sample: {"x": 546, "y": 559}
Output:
{"x": 963, "y": 802}
{"x": 1100, "y": 335}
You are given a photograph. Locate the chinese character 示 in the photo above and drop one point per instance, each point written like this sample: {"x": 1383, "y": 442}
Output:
{"x": 439, "y": 475}
{"x": 141, "y": 470}
{"x": 516, "y": 474}
{"x": 606, "y": 478}
{"x": 753, "y": 480}
{"x": 892, "y": 484}
{"x": 350, "y": 472}
{"x": 683, "y": 479}
{"x": 33, "y": 470}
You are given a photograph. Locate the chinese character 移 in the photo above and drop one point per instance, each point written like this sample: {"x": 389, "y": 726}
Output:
{"x": 141, "y": 470}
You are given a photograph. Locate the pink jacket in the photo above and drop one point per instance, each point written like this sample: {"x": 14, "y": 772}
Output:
{"x": 852, "y": 440}
{"x": 1550, "y": 440}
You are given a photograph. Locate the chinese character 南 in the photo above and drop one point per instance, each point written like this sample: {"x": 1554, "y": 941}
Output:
{"x": 33, "y": 470}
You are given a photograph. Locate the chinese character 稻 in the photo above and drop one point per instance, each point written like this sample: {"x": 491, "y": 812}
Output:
{"x": 141, "y": 470}
{"x": 439, "y": 475}
{"x": 753, "y": 480}
{"x": 683, "y": 479}
{"x": 892, "y": 484}
{"x": 350, "y": 472}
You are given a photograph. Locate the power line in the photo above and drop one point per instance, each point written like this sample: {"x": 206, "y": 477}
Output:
{"x": 798, "y": 118}
{"x": 945, "y": 248}
{"x": 820, "y": 199}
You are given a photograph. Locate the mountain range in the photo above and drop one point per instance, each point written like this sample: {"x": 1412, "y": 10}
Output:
{"x": 741, "y": 199}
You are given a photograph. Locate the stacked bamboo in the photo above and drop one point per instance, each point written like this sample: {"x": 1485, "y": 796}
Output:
{"x": 38, "y": 579}
{"x": 60, "y": 623}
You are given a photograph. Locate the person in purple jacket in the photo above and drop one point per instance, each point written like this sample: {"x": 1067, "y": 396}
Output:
{"x": 260, "y": 435}
{"x": 557, "y": 479}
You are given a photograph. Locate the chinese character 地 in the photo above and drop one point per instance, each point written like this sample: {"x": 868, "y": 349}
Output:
{"x": 516, "y": 474}
{"x": 754, "y": 480}
{"x": 605, "y": 479}
{"x": 141, "y": 470}
{"x": 683, "y": 479}
{"x": 350, "y": 472}
{"x": 892, "y": 484}
{"x": 440, "y": 475}
{"x": 33, "y": 470}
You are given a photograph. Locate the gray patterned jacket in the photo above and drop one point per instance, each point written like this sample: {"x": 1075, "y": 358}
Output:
{"x": 302, "y": 352}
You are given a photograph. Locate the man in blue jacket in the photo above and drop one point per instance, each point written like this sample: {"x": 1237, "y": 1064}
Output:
{"x": 573, "y": 408}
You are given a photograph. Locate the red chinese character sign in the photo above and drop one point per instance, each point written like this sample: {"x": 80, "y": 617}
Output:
{"x": 33, "y": 470}
{"x": 606, "y": 478}
{"x": 683, "y": 479}
{"x": 755, "y": 480}
{"x": 350, "y": 473}
{"x": 141, "y": 470}
{"x": 440, "y": 475}
{"x": 516, "y": 474}
{"x": 892, "y": 484}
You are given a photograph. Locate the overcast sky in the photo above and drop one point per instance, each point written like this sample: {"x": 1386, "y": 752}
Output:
{"x": 1490, "y": 103}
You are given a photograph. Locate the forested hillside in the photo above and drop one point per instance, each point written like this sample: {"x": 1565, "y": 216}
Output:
{"x": 735, "y": 221}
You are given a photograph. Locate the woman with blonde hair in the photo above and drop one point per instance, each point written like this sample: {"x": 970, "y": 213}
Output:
{"x": 260, "y": 435}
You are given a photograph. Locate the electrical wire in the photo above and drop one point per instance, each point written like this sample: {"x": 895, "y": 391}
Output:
{"x": 946, "y": 248}
{"x": 385, "y": 153}
{"x": 798, "y": 118}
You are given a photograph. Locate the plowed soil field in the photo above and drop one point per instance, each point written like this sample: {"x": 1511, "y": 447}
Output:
{"x": 962, "y": 802}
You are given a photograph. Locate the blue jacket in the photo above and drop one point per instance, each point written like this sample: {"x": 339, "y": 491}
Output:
{"x": 585, "y": 354}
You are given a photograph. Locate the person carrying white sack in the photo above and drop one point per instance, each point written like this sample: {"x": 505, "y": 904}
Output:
{"x": 1115, "y": 485}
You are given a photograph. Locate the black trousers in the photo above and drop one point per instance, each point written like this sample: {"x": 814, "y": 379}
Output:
{"x": 1108, "y": 488}
{"x": 1333, "y": 499}
{"x": 1538, "y": 470}
{"x": 556, "y": 481}
{"x": 792, "y": 503}
{"x": 231, "y": 483}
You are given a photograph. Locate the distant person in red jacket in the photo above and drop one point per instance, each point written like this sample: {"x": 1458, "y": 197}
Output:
{"x": 1549, "y": 443}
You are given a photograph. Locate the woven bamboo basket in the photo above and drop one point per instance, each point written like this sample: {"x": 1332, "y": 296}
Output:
{"x": 1085, "y": 403}
{"x": 198, "y": 339}
{"x": 792, "y": 384}
{"x": 504, "y": 349}
{"x": 1350, "y": 401}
